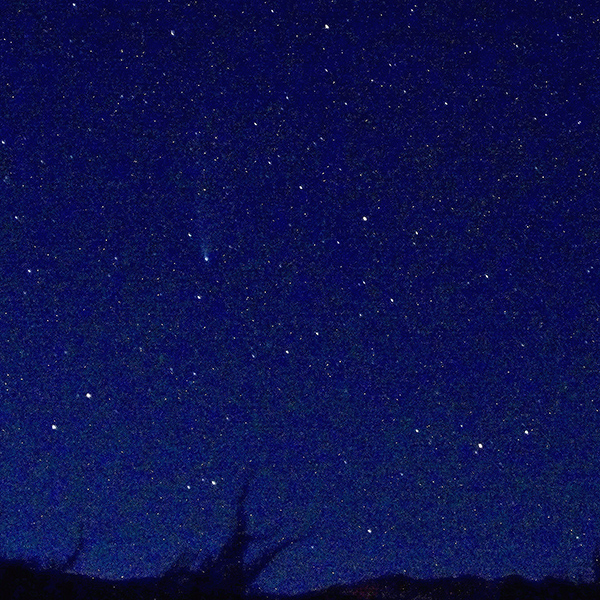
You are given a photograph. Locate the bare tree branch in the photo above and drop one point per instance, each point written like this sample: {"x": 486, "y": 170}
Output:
{"x": 227, "y": 571}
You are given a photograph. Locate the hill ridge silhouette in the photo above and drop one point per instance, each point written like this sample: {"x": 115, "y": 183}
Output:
{"x": 227, "y": 575}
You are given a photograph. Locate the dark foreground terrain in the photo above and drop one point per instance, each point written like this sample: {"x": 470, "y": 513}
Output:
{"x": 22, "y": 580}
{"x": 228, "y": 576}
{"x": 399, "y": 587}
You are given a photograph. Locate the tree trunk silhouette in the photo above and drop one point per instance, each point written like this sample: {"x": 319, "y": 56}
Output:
{"x": 227, "y": 574}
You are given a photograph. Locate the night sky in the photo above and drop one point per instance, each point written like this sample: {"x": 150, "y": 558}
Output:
{"x": 352, "y": 247}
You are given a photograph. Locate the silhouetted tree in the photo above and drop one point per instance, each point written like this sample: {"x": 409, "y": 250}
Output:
{"x": 227, "y": 574}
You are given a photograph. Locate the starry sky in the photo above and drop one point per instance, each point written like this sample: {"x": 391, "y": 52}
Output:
{"x": 352, "y": 247}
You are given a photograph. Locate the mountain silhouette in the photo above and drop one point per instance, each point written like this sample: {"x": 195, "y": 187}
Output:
{"x": 227, "y": 576}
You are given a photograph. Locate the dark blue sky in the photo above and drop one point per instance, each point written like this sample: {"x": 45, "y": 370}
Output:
{"x": 351, "y": 245}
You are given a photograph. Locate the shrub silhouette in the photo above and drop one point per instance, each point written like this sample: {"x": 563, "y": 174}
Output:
{"x": 225, "y": 575}
{"x": 229, "y": 575}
